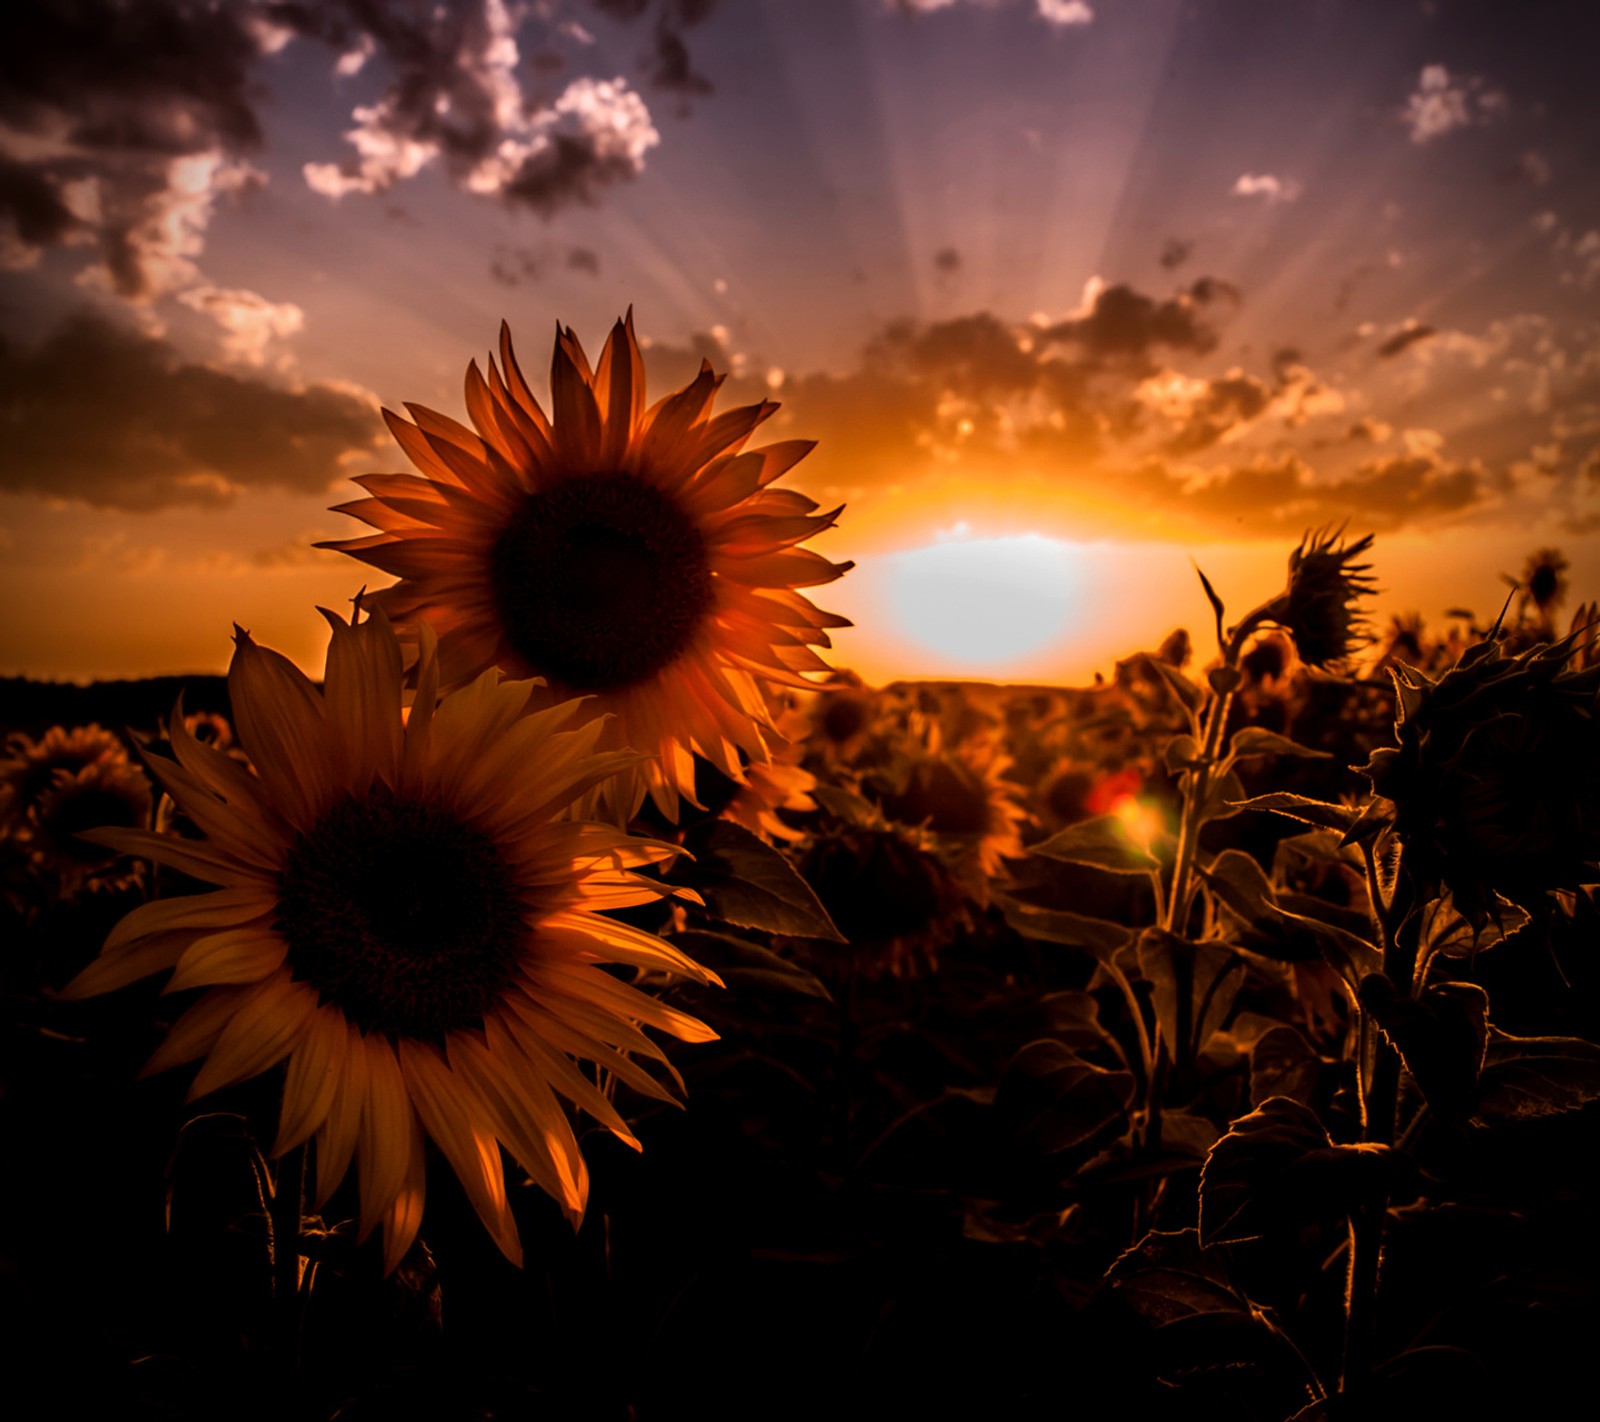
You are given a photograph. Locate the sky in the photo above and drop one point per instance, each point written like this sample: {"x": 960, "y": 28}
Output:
{"x": 1073, "y": 295}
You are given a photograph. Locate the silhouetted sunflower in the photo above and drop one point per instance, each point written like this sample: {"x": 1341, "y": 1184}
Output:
{"x": 1318, "y": 606}
{"x": 1544, "y": 576}
{"x": 1496, "y": 775}
{"x": 635, "y": 556}
{"x": 110, "y": 792}
{"x": 31, "y": 766}
{"x": 403, "y": 919}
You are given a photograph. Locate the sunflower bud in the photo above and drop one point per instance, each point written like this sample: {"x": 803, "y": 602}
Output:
{"x": 1496, "y": 775}
{"x": 1318, "y": 607}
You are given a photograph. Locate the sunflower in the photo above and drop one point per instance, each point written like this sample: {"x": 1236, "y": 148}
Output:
{"x": 30, "y": 766}
{"x": 403, "y": 919}
{"x": 965, "y": 803}
{"x": 107, "y": 793}
{"x": 639, "y": 557}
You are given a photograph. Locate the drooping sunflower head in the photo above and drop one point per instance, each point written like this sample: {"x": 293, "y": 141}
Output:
{"x": 636, "y": 555}
{"x": 1318, "y": 607}
{"x": 406, "y": 918}
{"x": 1544, "y": 577}
{"x": 1495, "y": 775}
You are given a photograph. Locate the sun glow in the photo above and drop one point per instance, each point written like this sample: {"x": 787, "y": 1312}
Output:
{"x": 984, "y": 605}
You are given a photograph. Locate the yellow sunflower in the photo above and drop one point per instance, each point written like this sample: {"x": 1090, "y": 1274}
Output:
{"x": 640, "y": 557}
{"x": 401, "y": 918}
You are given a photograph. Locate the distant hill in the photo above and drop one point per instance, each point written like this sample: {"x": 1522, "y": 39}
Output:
{"x": 33, "y": 706}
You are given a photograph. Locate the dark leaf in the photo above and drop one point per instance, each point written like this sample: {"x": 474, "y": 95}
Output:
{"x": 1100, "y": 843}
{"x": 1322, "y": 813}
{"x": 1055, "y": 1100}
{"x": 1251, "y": 741}
{"x": 1524, "y": 1077}
{"x": 1168, "y": 1276}
{"x": 747, "y": 967}
{"x": 1192, "y": 987}
{"x": 1235, "y": 878}
{"x": 1190, "y": 696}
{"x": 1074, "y": 1019}
{"x": 1223, "y": 797}
{"x": 1446, "y": 931}
{"x": 1283, "y": 1063}
{"x": 1099, "y": 936}
{"x": 1277, "y": 1169}
{"x": 1181, "y": 754}
{"x": 1213, "y": 599}
{"x": 748, "y": 883}
{"x": 1440, "y": 1036}
{"x": 1349, "y": 954}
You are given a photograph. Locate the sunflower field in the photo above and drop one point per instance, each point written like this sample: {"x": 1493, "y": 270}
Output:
{"x": 588, "y": 1002}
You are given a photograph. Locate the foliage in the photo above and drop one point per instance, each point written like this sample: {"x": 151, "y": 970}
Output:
{"x": 1094, "y": 1048}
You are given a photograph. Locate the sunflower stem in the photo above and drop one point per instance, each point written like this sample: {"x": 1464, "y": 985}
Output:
{"x": 287, "y": 1210}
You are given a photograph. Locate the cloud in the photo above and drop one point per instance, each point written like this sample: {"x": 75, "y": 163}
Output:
{"x": 121, "y": 125}
{"x": 1065, "y": 12}
{"x": 455, "y": 97}
{"x": 108, "y": 417}
{"x": 1265, "y": 185}
{"x": 1441, "y": 104}
{"x": 1117, "y": 322}
{"x": 947, "y": 260}
{"x": 250, "y": 323}
{"x": 1058, "y": 13}
{"x": 1406, "y": 336}
{"x": 1175, "y": 251}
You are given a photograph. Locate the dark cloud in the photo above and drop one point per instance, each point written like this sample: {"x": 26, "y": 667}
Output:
{"x": 1226, "y": 403}
{"x": 1175, "y": 251}
{"x": 164, "y": 76}
{"x": 511, "y": 266}
{"x": 123, "y": 123}
{"x": 114, "y": 419}
{"x": 1105, "y": 410}
{"x": 34, "y": 204}
{"x": 947, "y": 260}
{"x": 1124, "y": 324}
{"x": 1407, "y": 335}
{"x": 120, "y": 127}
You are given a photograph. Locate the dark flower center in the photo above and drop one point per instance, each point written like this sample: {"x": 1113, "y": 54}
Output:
{"x": 600, "y": 581}
{"x": 402, "y": 915}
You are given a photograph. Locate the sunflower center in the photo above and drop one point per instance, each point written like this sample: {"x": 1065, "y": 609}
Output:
{"x": 600, "y": 581}
{"x": 401, "y": 915}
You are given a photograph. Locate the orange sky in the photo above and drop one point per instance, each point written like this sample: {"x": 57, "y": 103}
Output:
{"x": 1066, "y": 303}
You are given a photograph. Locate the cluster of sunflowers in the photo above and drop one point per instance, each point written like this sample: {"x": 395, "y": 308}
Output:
{"x": 1177, "y": 987}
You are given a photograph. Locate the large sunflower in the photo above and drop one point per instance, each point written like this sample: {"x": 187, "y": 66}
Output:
{"x": 401, "y": 916}
{"x": 636, "y": 556}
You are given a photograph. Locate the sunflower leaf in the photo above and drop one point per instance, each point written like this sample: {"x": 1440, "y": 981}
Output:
{"x": 1192, "y": 987}
{"x": 1322, "y": 813}
{"x": 1100, "y": 843}
{"x": 1098, "y": 935}
{"x": 1055, "y": 1100}
{"x": 1251, "y": 741}
{"x": 746, "y": 882}
{"x": 747, "y": 967}
{"x": 1277, "y": 1169}
{"x": 1524, "y": 1077}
